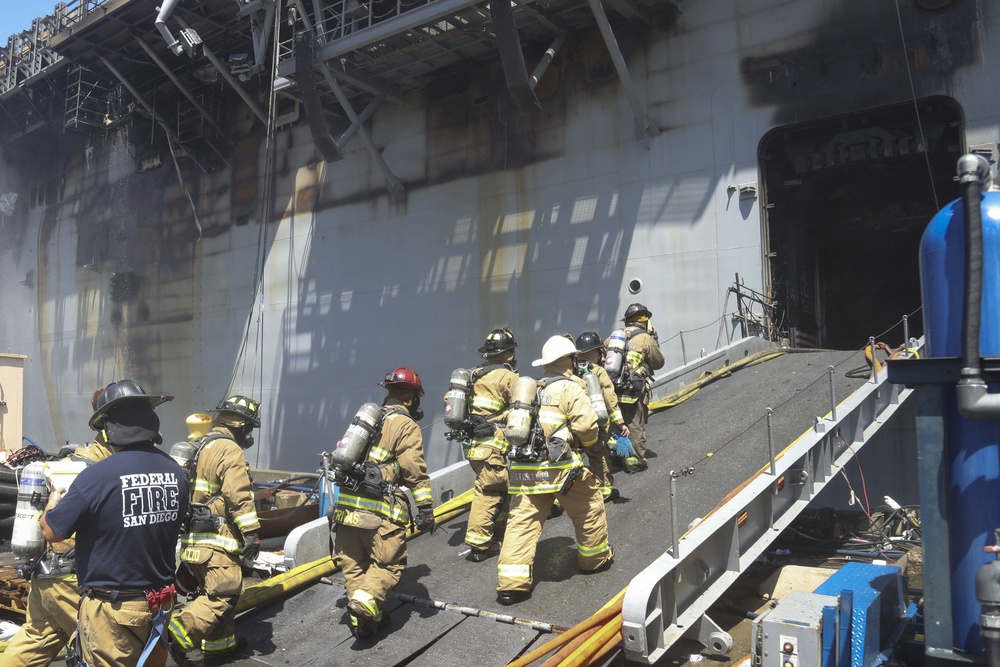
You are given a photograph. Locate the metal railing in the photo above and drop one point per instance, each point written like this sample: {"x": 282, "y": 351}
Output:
{"x": 671, "y": 597}
{"x": 27, "y": 53}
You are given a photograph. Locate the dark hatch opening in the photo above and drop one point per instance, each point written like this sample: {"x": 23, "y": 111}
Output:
{"x": 846, "y": 203}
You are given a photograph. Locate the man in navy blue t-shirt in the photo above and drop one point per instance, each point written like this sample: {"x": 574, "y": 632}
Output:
{"x": 126, "y": 512}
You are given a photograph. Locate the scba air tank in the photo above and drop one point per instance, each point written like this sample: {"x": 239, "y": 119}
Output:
{"x": 456, "y": 401}
{"x": 354, "y": 444}
{"x": 183, "y": 452}
{"x": 27, "y": 541}
{"x": 616, "y": 353}
{"x": 521, "y": 411}
{"x": 596, "y": 396}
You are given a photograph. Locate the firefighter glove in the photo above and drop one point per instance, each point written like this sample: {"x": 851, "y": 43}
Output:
{"x": 251, "y": 548}
{"x": 425, "y": 519}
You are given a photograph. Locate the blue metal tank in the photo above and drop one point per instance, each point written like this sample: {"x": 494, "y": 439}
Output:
{"x": 973, "y": 445}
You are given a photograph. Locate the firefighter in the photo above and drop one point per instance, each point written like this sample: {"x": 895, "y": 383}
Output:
{"x": 222, "y": 533}
{"x": 486, "y": 449}
{"x": 372, "y": 522}
{"x": 642, "y": 357}
{"x": 53, "y": 600}
{"x": 591, "y": 360}
{"x": 125, "y": 545}
{"x": 553, "y": 467}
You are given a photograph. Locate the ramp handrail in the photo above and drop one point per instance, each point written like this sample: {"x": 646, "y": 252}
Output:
{"x": 669, "y": 599}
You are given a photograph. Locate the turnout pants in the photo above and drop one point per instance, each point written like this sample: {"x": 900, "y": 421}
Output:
{"x": 372, "y": 560}
{"x": 598, "y": 464}
{"x": 636, "y": 415}
{"x": 113, "y": 634}
{"x": 489, "y": 501}
{"x": 49, "y": 623}
{"x": 209, "y": 621}
{"x": 585, "y": 507}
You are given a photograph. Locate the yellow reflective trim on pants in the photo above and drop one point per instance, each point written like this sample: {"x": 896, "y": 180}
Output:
{"x": 180, "y": 635}
{"x": 368, "y": 601}
{"x": 216, "y": 645}
{"x": 476, "y": 539}
{"x": 590, "y": 552}
{"x": 515, "y": 571}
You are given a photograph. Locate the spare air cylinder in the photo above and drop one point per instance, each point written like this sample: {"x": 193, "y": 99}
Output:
{"x": 521, "y": 411}
{"x": 354, "y": 444}
{"x": 456, "y": 401}
{"x": 27, "y": 541}
{"x": 596, "y": 396}
{"x": 616, "y": 353}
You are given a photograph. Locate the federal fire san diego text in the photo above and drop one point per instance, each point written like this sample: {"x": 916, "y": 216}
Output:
{"x": 149, "y": 499}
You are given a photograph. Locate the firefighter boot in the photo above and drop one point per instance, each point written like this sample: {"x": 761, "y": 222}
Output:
{"x": 363, "y": 624}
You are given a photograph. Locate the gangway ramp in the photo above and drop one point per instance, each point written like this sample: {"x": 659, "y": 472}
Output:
{"x": 725, "y": 419}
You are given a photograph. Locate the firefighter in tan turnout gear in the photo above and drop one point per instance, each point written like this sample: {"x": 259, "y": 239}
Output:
{"x": 546, "y": 463}
{"x": 53, "y": 602}
{"x": 633, "y": 376}
{"x": 591, "y": 360}
{"x": 484, "y": 444}
{"x": 221, "y": 533}
{"x": 372, "y": 512}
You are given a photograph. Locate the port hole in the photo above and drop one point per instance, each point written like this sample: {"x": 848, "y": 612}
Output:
{"x": 634, "y": 286}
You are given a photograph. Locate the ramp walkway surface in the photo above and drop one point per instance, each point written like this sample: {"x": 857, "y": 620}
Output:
{"x": 720, "y": 434}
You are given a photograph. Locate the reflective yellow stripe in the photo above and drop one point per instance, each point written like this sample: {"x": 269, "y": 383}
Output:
{"x": 248, "y": 519}
{"x": 496, "y": 442}
{"x": 616, "y": 417}
{"x": 476, "y": 539}
{"x": 223, "y": 644}
{"x": 368, "y": 602}
{"x": 514, "y": 571}
{"x": 210, "y": 540}
{"x": 379, "y": 455}
{"x": 634, "y": 359}
{"x": 423, "y": 494}
{"x": 397, "y": 514}
{"x": 543, "y": 485}
{"x": 590, "y": 552}
{"x": 206, "y": 486}
{"x": 488, "y": 404}
{"x": 180, "y": 635}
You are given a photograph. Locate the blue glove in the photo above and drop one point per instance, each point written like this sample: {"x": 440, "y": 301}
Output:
{"x": 624, "y": 447}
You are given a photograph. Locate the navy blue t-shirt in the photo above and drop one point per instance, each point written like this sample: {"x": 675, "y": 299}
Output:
{"x": 126, "y": 512}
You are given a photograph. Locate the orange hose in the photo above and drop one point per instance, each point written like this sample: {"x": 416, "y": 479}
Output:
{"x": 584, "y": 654}
{"x": 568, "y": 649}
{"x": 611, "y": 609}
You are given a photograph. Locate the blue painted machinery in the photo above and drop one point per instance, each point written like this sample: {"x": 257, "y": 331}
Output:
{"x": 858, "y": 613}
{"x": 958, "y": 423}
{"x": 851, "y": 619}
